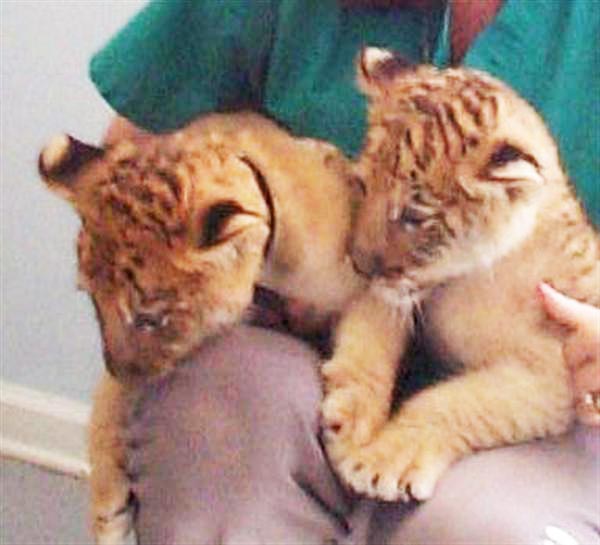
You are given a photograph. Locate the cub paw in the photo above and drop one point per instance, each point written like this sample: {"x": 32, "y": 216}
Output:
{"x": 403, "y": 464}
{"x": 112, "y": 512}
{"x": 350, "y": 410}
{"x": 112, "y": 529}
{"x": 351, "y": 414}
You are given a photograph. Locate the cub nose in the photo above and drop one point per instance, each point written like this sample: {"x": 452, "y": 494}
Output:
{"x": 367, "y": 263}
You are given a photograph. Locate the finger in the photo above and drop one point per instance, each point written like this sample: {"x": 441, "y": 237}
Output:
{"x": 121, "y": 128}
{"x": 566, "y": 310}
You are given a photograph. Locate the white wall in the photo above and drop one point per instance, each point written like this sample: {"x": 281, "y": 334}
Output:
{"x": 49, "y": 338}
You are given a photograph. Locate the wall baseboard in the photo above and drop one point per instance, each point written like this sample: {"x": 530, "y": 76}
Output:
{"x": 44, "y": 429}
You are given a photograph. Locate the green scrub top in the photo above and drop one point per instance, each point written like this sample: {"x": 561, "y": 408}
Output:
{"x": 294, "y": 60}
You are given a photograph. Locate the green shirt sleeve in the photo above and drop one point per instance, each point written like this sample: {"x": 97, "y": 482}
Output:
{"x": 179, "y": 56}
{"x": 548, "y": 51}
{"x": 292, "y": 59}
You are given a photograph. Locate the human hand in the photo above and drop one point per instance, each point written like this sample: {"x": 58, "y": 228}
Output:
{"x": 581, "y": 349}
{"x": 121, "y": 128}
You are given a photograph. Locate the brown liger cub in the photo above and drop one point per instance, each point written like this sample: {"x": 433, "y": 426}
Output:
{"x": 466, "y": 210}
{"x": 176, "y": 232}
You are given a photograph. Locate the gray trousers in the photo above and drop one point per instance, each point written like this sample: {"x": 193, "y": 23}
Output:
{"x": 226, "y": 451}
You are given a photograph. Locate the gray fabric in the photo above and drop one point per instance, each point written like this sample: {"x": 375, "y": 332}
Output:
{"x": 226, "y": 451}
{"x": 539, "y": 493}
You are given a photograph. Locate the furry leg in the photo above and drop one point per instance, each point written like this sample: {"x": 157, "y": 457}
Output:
{"x": 359, "y": 379}
{"x": 109, "y": 484}
{"x": 499, "y": 405}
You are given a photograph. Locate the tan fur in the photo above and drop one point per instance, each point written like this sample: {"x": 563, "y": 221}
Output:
{"x": 467, "y": 210}
{"x": 159, "y": 288}
{"x": 185, "y": 289}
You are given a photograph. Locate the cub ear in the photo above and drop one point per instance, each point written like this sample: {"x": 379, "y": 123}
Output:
{"x": 375, "y": 66}
{"x": 510, "y": 164}
{"x": 61, "y": 159}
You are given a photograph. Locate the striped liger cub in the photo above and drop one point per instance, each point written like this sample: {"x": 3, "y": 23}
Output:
{"x": 466, "y": 210}
{"x": 176, "y": 232}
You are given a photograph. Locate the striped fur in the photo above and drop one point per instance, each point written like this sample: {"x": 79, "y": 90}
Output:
{"x": 176, "y": 232}
{"x": 172, "y": 240}
{"x": 467, "y": 209}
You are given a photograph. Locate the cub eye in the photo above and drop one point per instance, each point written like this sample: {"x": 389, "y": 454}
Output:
{"x": 144, "y": 321}
{"x": 413, "y": 216}
{"x": 215, "y": 221}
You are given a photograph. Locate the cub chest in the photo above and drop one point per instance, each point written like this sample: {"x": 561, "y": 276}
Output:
{"x": 477, "y": 319}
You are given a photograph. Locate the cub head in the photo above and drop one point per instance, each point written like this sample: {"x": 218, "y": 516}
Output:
{"x": 173, "y": 235}
{"x": 455, "y": 167}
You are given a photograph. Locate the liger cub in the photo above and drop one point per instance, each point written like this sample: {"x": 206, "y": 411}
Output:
{"x": 466, "y": 210}
{"x": 176, "y": 232}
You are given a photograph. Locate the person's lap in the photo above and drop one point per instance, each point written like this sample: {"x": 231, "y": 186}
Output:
{"x": 226, "y": 450}
{"x": 545, "y": 493}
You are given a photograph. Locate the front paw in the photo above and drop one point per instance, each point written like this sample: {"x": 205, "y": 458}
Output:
{"x": 350, "y": 412}
{"x": 111, "y": 509}
{"x": 402, "y": 463}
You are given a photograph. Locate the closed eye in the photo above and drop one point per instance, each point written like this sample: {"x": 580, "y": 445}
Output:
{"x": 144, "y": 321}
{"x": 413, "y": 216}
{"x": 215, "y": 221}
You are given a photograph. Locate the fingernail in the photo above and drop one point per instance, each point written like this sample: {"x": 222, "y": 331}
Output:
{"x": 545, "y": 290}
